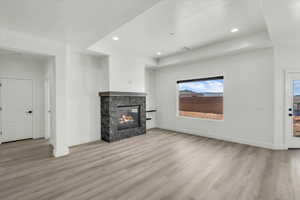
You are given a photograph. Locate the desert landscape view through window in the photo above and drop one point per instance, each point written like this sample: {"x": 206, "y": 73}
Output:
{"x": 202, "y": 98}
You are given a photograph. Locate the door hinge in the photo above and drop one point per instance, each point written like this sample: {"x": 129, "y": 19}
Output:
{"x": 0, "y": 84}
{"x": 0, "y": 108}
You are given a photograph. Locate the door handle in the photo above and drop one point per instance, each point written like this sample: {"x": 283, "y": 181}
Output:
{"x": 29, "y": 112}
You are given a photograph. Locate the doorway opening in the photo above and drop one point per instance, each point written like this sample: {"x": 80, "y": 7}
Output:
{"x": 25, "y": 106}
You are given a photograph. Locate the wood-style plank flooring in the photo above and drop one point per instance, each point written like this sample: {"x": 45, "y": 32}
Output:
{"x": 160, "y": 165}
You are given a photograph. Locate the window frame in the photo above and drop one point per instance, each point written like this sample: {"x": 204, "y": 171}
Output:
{"x": 195, "y": 80}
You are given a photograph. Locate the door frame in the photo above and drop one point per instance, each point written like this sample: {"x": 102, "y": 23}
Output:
{"x": 47, "y": 108}
{"x": 33, "y": 103}
{"x": 287, "y": 123}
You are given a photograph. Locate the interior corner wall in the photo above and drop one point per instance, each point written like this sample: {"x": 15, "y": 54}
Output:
{"x": 248, "y": 98}
{"x": 24, "y": 67}
{"x": 86, "y": 77}
{"x": 150, "y": 80}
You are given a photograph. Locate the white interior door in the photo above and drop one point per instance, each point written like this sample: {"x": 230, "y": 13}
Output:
{"x": 293, "y": 110}
{"x": 16, "y": 112}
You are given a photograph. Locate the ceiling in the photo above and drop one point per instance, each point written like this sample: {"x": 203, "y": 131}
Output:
{"x": 79, "y": 22}
{"x": 171, "y": 25}
{"x": 283, "y": 19}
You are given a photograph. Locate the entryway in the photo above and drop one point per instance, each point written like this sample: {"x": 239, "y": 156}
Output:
{"x": 26, "y": 87}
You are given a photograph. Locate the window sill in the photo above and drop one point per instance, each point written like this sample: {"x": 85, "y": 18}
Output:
{"x": 202, "y": 119}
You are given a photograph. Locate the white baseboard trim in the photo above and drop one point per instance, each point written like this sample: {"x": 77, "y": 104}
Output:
{"x": 279, "y": 147}
{"x": 230, "y": 139}
{"x": 58, "y": 154}
{"x": 149, "y": 129}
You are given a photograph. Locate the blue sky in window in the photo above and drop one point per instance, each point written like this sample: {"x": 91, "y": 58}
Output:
{"x": 297, "y": 88}
{"x": 209, "y": 86}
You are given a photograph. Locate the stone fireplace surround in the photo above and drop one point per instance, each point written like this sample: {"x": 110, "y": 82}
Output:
{"x": 110, "y": 102}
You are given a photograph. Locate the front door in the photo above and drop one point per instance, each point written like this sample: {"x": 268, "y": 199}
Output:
{"x": 293, "y": 110}
{"x": 16, "y": 109}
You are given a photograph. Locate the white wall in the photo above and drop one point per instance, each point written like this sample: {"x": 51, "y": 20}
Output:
{"x": 49, "y": 77}
{"x": 126, "y": 74}
{"x": 28, "y": 67}
{"x": 248, "y": 97}
{"x": 86, "y": 77}
{"x": 150, "y": 98}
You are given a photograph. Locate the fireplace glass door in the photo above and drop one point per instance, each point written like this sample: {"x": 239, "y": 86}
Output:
{"x": 129, "y": 117}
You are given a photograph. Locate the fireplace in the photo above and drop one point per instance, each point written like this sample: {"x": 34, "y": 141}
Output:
{"x": 123, "y": 115}
{"x": 129, "y": 117}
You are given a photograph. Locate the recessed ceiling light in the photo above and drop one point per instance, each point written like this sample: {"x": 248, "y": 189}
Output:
{"x": 115, "y": 38}
{"x": 234, "y": 30}
{"x": 158, "y": 53}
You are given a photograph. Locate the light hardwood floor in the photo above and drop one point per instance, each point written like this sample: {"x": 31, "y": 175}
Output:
{"x": 160, "y": 165}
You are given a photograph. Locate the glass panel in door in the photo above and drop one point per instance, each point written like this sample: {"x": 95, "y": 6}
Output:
{"x": 296, "y": 108}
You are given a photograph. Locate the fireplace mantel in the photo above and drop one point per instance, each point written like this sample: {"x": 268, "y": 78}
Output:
{"x": 113, "y": 93}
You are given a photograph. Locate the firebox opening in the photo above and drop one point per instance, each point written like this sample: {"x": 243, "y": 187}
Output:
{"x": 129, "y": 117}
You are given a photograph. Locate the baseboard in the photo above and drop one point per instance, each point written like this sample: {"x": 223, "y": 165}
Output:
{"x": 150, "y": 129}
{"x": 85, "y": 143}
{"x": 39, "y": 138}
{"x": 280, "y": 147}
{"x": 230, "y": 139}
{"x": 58, "y": 154}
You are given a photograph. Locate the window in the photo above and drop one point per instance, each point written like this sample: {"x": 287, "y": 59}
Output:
{"x": 201, "y": 98}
